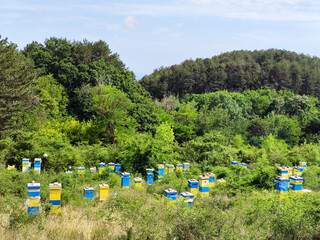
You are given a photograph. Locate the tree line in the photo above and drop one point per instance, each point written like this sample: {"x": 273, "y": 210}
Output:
{"x": 77, "y": 102}
{"x": 237, "y": 71}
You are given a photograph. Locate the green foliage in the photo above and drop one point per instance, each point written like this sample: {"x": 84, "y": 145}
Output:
{"x": 111, "y": 106}
{"x": 184, "y": 122}
{"x": 238, "y": 71}
{"x": 51, "y": 95}
{"x": 16, "y": 76}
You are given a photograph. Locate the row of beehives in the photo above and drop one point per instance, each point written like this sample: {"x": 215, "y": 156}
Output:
{"x": 205, "y": 182}
{"x": 162, "y": 169}
{"x": 291, "y": 179}
{"x": 26, "y": 165}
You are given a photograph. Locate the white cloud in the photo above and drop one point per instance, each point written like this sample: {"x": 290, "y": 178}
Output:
{"x": 130, "y": 22}
{"x": 272, "y": 10}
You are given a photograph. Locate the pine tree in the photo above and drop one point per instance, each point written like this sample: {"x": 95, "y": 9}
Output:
{"x": 16, "y": 76}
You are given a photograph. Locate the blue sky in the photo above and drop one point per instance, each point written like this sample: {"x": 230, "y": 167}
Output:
{"x": 151, "y": 34}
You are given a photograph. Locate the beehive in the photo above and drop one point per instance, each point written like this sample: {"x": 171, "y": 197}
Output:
{"x": 179, "y": 167}
{"x": 33, "y": 189}
{"x": 297, "y": 171}
{"x": 88, "y": 192}
{"x": 125, "y": 180}
{"x": 160, "y": 172}
{"x": 11, "y": 167}
{"x": 187, "y": 198}
{"x": 234, "y": 163}
{"x": 150, "y": 178}
{"x": 102, "y": 167}
{"x": 212, "y": 178}
{"x": 186, "y": 167}
{"x": 55, "y": 197}
{"x": 290, "y": 171}
{"x": 33, "y": 198}
{"x": 193, "y": 186}
{"x": 37, "y": 165}
{"x": 306, "y": 191}
{"x": 117, "y": 167}
{"x": 81, "y": 170}
{"x": 33, "y": 205}
{"x": 171, "y": 169}
{"x": 221, "y": 181}
{"x": 137, "y": 182}
{"x": 296, "y": 183}
{"x": 282, "y": 184}
{"x": 103, "y": 191}
{"x": 204, "y": 185}
{"x": 93, "y": 170}
{"x": 111, "y": 167}
{"x": 69, "y": 172}
{"x": 303, "y": 164}
{"x": 244, "y": 165}
{"x": 170, "y": 196}
{"x": 283, "y": 172}
{"x": 25, "y": 165}
{"x": 204, "y": 180}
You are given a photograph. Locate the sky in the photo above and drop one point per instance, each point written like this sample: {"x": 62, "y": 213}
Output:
{"x": 150, "y": 34}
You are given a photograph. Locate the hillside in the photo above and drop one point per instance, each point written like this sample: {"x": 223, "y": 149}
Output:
{"x": 237, "y": 71}
{"x": 75, "y": 104}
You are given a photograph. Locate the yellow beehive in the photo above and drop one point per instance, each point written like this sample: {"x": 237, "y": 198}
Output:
{"x": 203, "y": 180}
{"x": 137, "y": 182}
{"x": 55, "y": 191}
{"x": 11, "y": 167}
{"x": 212, "y": 178}
{"x": 55, "y": 198}
{"x": 203, "y": 194}
{"x": 33, "y": 201}
{"x": 221, "y": 181}
{"x": 104, "y": 191}
{"x": 55, "y": 210}
{"x": 179, "y": 167}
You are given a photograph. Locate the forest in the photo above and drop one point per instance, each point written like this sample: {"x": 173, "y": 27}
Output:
{"x": 238, "y": 71}
{"x": 77, "y": 102}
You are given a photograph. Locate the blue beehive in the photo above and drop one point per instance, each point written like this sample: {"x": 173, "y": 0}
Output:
{"x": 282, "y": 184}
{"x": 160, "y": 172}
{"x": 111, "y": 167}
{"x": 33, "y": 198}
{"x": 298, "y": 170}
{"x": 117, "y": 167}
{"x": 150, "y": 178}
{"x": 234, "y": 163}
{"x": 193, "y": 186}
{"x": 88, "y": 192}
{"x": 244, "y": 165}
{"x": 283, "y": 172}
{"x": 187, "y": 198}
{"x": 33, "y": 189}
{"x": 81, "y": 170}
{"x": 125, "y": 180}
{"x": 170, "y": 196}
{"x": 296, "y": 183}
{"x": 25, "y": 165}
{"x": 37, "y": 165}
{"x": 102, "y": 167}
{"x": 303, "y": 164}
{"x": 212, "y": 178}
{"x": 186, "y": 167}
{"x": 33, "y": 210}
